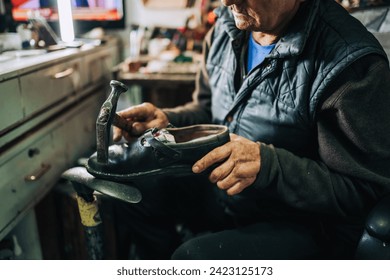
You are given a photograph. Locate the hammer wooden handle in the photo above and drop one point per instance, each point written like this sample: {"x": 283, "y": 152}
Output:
{"x": 120, "y": 122}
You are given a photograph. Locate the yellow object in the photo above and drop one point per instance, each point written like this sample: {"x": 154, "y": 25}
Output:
{"x": 89, "y": 212}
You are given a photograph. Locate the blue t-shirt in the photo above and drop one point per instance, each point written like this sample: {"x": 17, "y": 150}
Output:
{"x": 256, "y": 53}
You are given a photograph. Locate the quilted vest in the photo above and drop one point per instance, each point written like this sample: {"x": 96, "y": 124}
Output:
{"x": 276, "y": 102}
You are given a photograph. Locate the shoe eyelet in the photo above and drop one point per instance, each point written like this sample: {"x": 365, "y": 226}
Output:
{"x": 144, "y": 142}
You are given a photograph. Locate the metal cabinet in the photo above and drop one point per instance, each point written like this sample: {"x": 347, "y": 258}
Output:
{"x": 47, "y": 121}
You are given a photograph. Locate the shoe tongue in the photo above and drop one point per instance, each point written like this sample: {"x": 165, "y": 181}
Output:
{"x": 161, "y": 135}
{"x": 164, "y": 136}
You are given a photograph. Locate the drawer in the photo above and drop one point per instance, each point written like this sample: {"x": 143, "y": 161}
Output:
{"x": 45, "y": 87}
{"x": 112, "y": 59}
{"x": 78, "y": 133}
{"x": 26, "y": 177}
{"x": 97, "y": 66}
{"x": 11, "y": 103}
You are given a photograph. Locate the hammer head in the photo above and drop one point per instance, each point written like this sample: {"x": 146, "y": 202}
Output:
{"x": 105, "y": 119}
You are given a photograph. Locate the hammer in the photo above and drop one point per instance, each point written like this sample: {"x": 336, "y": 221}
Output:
{"x": 108, "y": 116}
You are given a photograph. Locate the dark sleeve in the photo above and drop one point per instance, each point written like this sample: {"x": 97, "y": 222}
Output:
{"x": 199, "y": 110}
{"x": 353, "y": 169}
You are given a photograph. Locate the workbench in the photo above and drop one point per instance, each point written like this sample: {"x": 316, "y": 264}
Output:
{"x": 166, "y": 88}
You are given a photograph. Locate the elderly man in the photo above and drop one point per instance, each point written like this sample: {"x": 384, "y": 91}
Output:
{"x": 305, "y": 92}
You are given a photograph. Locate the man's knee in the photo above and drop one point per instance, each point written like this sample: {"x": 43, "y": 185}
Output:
{"x": 193, "y": 249}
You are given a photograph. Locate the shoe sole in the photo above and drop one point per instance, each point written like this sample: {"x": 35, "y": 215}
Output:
{"x": 174, "y": 171}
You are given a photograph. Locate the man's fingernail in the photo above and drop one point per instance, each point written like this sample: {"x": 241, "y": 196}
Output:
{"x": 195, "y": 169}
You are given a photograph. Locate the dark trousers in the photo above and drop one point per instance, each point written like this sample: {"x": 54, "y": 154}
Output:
{"x": 189, "y": 218}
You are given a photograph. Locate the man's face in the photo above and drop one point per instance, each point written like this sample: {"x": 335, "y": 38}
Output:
{"x": 262, "y": 15}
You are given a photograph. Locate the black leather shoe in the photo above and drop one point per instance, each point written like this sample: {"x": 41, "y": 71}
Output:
{"x": 156, "y": 153}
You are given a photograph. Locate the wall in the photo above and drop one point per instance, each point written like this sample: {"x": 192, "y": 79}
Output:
{"x": 137, "y": 14}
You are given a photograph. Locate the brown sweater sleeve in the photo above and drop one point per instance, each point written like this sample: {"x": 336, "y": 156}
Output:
{"x": 353, "y": 170}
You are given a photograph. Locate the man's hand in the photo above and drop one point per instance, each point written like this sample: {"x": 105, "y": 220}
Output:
{"x": 142, "y": 117}
{"x": 240, "y": 164}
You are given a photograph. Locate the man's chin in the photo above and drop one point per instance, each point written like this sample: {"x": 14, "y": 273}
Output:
{"x": 242, "y": 25}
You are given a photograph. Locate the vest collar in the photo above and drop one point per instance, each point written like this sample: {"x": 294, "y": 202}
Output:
{"x": 292, "y": 42}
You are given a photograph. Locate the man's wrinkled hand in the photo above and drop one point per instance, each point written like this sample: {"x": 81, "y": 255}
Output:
{"x": 240, "y": 164}
{"x": 142, "y": 117}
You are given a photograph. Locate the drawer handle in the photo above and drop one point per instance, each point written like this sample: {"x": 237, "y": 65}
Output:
{"x": 63, "y": 74}
{"x": 38, "y": 173}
